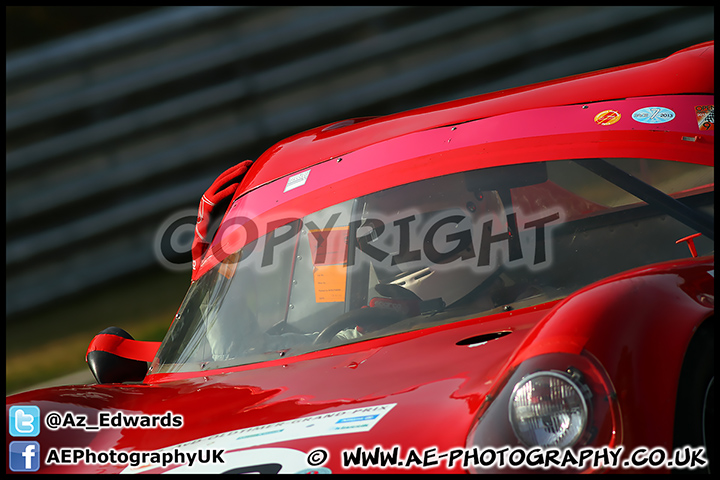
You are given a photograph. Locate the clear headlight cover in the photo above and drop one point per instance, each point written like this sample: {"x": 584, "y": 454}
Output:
{"x": 548, "y": 409}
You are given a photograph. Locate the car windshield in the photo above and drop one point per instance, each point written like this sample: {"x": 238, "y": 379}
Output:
{"x": 434, "y": 251}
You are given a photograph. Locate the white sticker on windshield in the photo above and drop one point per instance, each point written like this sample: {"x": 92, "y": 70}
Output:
{"x": 653, "y": 115}
{"x": 296, "y": 181}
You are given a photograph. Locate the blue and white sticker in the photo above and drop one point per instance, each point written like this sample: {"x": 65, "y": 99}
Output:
{"x": 653, "y": 115}
{"x": 239, "y": 447}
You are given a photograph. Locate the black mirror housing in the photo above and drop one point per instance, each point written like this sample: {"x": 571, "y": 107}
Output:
{"x": 107, "y": 367}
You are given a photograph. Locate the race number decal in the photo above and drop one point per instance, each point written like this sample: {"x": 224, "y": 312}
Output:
{"x": 355, "y": 420}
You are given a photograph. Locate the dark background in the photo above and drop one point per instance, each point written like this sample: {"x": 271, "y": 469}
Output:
{"x": 118, "y": 118}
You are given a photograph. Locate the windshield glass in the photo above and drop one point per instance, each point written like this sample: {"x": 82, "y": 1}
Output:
{"x": 439, "y": 250}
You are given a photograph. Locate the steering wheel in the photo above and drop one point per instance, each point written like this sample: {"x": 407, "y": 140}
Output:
{"x": 368, "y": 317}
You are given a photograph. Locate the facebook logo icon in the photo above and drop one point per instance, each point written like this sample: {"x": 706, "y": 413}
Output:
{"x": 24, "y": 421}
{"x": 24, "y": 456}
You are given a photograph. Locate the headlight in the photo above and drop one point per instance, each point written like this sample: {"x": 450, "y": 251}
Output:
{"x": 549, "y": 409}
{"x": 554, "y": 400}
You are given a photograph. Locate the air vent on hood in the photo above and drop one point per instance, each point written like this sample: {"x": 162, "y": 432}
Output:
{"x": 478, "y": 340}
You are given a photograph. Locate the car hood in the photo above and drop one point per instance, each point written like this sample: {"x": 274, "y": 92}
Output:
{"x": 426, "y": 385}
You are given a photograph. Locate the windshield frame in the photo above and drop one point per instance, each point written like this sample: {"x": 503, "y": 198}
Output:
{"x": 446, "y": 150}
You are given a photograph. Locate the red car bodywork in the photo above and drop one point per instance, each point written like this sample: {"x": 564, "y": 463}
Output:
{"x": 432, "y": 390}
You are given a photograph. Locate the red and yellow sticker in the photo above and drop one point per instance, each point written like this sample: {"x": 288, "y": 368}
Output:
{"x": 607, "y": 117}
{"x": 705, "y": 117}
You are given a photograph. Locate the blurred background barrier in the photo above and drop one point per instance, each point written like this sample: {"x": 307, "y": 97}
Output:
{"x": 113, "y": 129}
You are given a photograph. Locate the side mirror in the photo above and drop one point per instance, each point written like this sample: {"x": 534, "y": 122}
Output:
{"x": 109, "y": 367}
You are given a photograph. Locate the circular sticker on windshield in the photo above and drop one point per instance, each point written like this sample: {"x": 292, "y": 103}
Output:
{"x": 653, "y": 115}
{"x": 607, "y": 117}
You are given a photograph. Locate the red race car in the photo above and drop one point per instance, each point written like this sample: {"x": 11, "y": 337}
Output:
{"x": 521, "y": 281}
